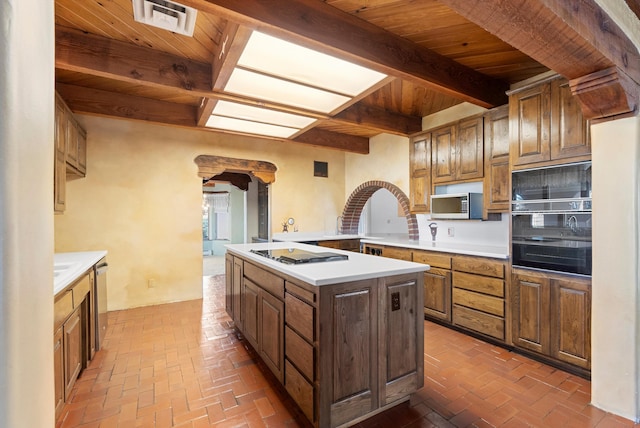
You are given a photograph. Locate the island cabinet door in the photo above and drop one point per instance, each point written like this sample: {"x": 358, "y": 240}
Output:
{"x": 401, "y": 326}
{"x": 236, "y": 286}
{"x": 250, "y": 302}
{"x": 228, "y": 289}
{"x": 348, "y": 351}
{"x": 271, "y": 333}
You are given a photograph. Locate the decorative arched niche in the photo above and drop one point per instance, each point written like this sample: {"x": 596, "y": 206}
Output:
{"x": 211, "y": 166}
{"x": 360, "y": 196}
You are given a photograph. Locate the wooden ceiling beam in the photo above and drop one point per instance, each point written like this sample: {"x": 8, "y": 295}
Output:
{"x": 325, "y": 28}
{"x": 379, "y": 119}
{"x": 105, "y": 103}
{"x": 332, "y": 140}
{"x": 575, "y": 38}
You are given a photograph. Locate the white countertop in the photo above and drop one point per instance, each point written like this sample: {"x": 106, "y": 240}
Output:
{"x": 67, "y": 267}
{"x": 470, "y": 249}
{"x": 310, "y": 236}
{"x": 358, "y": 267}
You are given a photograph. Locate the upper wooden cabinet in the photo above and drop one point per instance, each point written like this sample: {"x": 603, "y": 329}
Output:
{"x": 457, "y": 151}
{"x": 497, "y": 175}
{"x": 420, "y": 173}
{"x": 547, "y": 126}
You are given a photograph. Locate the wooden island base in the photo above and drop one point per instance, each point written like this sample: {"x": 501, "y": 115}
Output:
{"x": 343, "y": 351}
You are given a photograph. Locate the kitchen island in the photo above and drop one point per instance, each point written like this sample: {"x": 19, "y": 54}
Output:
{"x": 344, "y": 337}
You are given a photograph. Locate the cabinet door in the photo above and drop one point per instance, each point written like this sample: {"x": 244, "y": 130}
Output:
{"x": 271, "y": 333}
{"x": 497, "y": 175}
{"x": 72, "y": 330}
{"x": 437, "y": 294}
{"x": 530, "y": 127}
{"x": 402, "y": 335}
{"x": 530, "y": 312}
{"x": 420, "y": 167}
{"x": 571, "y": 321}
{"x": 469, "y": 155}
{"x": 238, "y": 275}
{"x": 72, "y": 142}
{"x": 60, "y": 165}
{"x": 443, "y": 157}
{"x": 58, "y": 370}
{"x": 250, "y": 303}
{"x": 82, "y": 151}
{"x": 570, "y": 131}
{"x": 228, "y": 285}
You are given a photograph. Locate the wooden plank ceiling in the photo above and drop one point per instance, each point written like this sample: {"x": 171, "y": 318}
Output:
{"x": 109, "y": 65}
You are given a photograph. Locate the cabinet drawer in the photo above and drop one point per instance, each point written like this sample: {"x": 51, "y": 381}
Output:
{"x": 300, "y": 390}
{"x": 299, "y": 316}
{"x": 301, "y": 293}
{"x": 299, "y": 352}
{"x": 266, "y": 280}
{"x": 481, "y": 284}
{"x": 62, "y": 308}
{"x": 479, "y": 266}
{"x": 479, "y": 321}
{"x": 488, "y": 304}
{"x": 81, "y": 289}
{"x": 397, "y": 253}
{"x": 433, "y": 259}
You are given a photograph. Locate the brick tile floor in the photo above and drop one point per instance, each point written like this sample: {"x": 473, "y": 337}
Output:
{"x": 183, "y": 365}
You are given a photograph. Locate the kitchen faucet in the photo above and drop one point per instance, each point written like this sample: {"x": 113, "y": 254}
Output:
{"x": 572, "y": 222}
{"x": 434, "y": 230}
{"x": 338, "y": 221}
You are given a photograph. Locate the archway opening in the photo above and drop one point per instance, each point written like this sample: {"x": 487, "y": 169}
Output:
{"x": 359, "y": 197}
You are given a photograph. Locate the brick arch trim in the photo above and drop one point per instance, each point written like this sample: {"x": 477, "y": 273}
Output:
{"x": 360, "y": 196}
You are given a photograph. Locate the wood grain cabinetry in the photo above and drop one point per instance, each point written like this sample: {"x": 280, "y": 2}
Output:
{"x": 437, "y": 284}
{"x": 58, "y": 370}
{"x": 547, "y": 126}
{"x": 342, "y": 351}
{"x": 70, "y": 159}
{"x": 420, "y": 173}
{"x": 497, "y": 174}
{"x": 457, "y": 151}
{"x": 72, "y": 340}
{"x": 479, "y": 295}
{"x": 341, "y": 244}
{"x": 551, "y": 316}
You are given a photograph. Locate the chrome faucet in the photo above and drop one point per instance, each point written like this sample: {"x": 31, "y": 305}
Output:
{"x": 434, "y": 230}
{"x": 572, "y": 222}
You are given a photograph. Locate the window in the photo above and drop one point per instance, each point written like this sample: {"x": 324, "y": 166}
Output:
{"x": 215, "y": 216}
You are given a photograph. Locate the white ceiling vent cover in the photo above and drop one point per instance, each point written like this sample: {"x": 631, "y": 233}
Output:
{"x": 165, "y": 14}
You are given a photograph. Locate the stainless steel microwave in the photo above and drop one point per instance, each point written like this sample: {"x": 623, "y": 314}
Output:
{"x": 456, "y": 206}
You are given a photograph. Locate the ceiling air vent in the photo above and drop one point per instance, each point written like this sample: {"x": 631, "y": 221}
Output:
{"x": 165, "y": 14}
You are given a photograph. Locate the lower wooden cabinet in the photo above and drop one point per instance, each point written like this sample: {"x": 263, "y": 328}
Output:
{"x": 329, "y": 345}
{"x": 551, "y": 316}
{"x": 72, "y": 332}
{"x": 58, "y": 370}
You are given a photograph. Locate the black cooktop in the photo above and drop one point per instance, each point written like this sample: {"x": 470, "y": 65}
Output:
{"x": 294, "y": 256}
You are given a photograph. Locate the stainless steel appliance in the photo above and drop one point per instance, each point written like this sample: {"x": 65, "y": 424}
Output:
{"x": 294, "y": 256}
{"x": 100, "y": 272}
{"x": 456, "y": 206}
{"x": 551, "y": 218}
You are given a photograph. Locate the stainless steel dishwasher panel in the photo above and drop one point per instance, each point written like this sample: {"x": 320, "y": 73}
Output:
{"x": 101, "y": 301}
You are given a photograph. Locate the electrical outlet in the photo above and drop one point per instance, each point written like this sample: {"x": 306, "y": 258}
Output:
{"x": 395, "y": 301}
{"x": 451, "y": 232}
{"x": 151, "y": 283}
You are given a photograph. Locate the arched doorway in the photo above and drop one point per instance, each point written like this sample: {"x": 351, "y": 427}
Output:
{"x": 357, "y": 200}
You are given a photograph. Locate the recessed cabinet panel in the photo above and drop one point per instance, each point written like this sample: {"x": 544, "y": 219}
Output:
{"x": 401, "y": 328}
{"x": 250, "y": 301}
{"x": 443, "y": 156}
{"x": 271, "y": 325}
{"x": 531, "y": 129}
{"x": 571, "y": 336}
{"x": 437, "y": 294}
{"x": 469, "y": 150}
{"x": 572, "y": 130}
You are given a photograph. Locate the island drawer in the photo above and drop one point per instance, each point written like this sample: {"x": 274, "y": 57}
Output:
{"x": 300, "y": 316}
{"x": 299, "y": 292}
{"x": 479, "y": 266}
{"x": 62, "y": 308}
{"x": 480, "y": 284}
{"x": 489, "y": 304}
{"x": 266, "y": 280}
{"x": 481, "y": 322}
{"x": 432, "y": 259}
{"x": 299, "y": 352}
{"x": 300, "y": 390}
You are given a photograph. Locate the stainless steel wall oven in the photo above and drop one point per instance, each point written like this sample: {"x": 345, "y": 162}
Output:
{"x": 551, "y": 218}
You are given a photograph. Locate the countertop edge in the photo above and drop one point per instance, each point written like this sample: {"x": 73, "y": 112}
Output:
{"x": 427, "y": 246}
{"x": 82, "y": 262}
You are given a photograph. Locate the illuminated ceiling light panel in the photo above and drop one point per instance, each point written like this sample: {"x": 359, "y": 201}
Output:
{"x": 287, "y": 60}
{"x": 244, "y": 82}
{"x": 249, "y": 127}
{"x": 263, "y": 115}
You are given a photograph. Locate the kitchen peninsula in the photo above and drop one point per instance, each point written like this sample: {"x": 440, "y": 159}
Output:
{"x": 345, "y": 337}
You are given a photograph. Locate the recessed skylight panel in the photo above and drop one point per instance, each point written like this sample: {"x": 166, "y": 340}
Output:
{"x": 249, "y": 127}
{"x": 280, "y": 58}
{"x": 263, "y": 115}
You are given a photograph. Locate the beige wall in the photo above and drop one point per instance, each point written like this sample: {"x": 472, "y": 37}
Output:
{"x": 141, "y": 201}
{"x": 615, "y": 317}
{"x": 26, "y": 219}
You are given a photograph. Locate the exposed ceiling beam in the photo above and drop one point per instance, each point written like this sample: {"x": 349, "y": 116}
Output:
{"x": 323, "y": 27}
{"x": 99, "y": 56}
{"x": 333, "y": 140}
{"x": 575, "y": 38}
{"x": 377, "y": 118}
{"x": 105, "y": 103}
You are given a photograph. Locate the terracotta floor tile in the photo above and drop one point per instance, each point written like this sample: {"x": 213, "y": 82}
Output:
{"x": 184, "y": 365}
